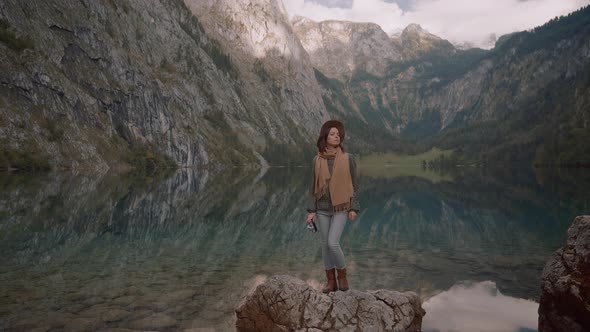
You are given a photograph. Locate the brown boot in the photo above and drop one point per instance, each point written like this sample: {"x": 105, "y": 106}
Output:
{"x": 342, "y": 282}
{"x": 331, "y": 286}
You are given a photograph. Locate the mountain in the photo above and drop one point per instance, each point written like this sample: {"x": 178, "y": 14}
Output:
{"x": 107, "y": 84}
{"x": 119, "y": 84}
{"x": 527, "y": 96}
{"x": 338, "y": 48}
{"x": 416, "y": 42}
{"x": 353, "y": 64}
{"x": 369, "y": 79}
{"x": 277, "y": 73}
{"x": 534, "y": 98}
{"x": 398, "y": 95}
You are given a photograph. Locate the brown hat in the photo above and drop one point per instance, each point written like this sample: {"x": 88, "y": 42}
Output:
{"x": 334, "y": 123}
{"x": 325, "y": 130}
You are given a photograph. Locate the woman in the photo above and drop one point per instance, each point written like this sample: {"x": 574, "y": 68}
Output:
{"x": 333, "y": 199}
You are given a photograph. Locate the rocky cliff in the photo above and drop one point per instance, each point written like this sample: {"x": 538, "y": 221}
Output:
{"x": 278, "y": 76}
{"x": 565, "y": 287}
{"x": 339, "y": 48}
{"x": 118, "y": 83}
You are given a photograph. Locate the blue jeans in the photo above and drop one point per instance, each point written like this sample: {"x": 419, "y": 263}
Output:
{"x": 331, "y": 226}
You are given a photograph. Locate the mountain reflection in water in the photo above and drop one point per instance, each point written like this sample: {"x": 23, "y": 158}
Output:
{"x": 108, "y": 251}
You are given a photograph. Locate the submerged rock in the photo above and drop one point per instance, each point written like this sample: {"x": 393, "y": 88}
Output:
{"x": 285, "y": 303}
{"x": 565, "y": 285}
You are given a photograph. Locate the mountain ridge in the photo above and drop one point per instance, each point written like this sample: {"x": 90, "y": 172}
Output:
{"x": 436, "y": 96}
{"x": 163, "y": 83}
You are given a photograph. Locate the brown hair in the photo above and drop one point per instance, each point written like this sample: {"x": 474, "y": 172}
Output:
{"x": 325, "y": 131}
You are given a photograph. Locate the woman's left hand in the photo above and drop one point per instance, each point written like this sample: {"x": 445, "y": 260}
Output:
{"x": 352, "y": 215}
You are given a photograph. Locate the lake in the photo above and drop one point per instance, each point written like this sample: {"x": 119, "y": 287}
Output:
{"x": 178, "y": 250}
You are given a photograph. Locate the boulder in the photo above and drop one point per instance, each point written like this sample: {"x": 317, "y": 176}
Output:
{"x": 285, "y": 303}
{"x": 565, "y": 284}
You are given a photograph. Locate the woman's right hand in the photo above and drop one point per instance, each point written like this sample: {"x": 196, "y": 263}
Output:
{"x": 310, "y": 217}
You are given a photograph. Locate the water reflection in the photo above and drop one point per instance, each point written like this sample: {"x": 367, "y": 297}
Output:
{"x": 478, "y": 307}
{"x": 177, "y": 251}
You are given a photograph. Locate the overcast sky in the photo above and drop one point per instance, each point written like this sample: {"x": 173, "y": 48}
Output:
{"x": 459, "y": 21}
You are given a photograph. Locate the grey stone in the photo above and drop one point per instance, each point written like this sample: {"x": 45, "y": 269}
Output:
{"x": 94, "y": 300}
{"x": 141, "y": 313}
{"x": 159, "y": 306}
{"x": 41, "y": 329}
{"x": 565, "y": 284}
{"x": 82, "y": 324}
{"x": 114, "y": 315}
{"x": 154, "y": 322}
{"x": 124, "y": 300}
{"x": 285, "y": 303}
{"x": 118, "y": 329}
{"x": 178, "y": 296}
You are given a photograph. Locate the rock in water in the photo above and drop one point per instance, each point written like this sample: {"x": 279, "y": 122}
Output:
{"x": 565, "y": 285}
{"x": 285, "y": 303}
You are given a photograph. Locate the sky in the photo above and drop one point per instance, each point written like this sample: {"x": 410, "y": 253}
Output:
{"x": 460, "y": 21}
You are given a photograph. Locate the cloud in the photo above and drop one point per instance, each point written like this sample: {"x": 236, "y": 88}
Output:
{"x": 334, "y": 3}
{"x": 478, "y": 307}
{"x": 377, "y": 11}
{"x": 456, "y": 20}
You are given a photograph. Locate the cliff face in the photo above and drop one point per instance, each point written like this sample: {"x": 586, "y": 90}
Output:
{"x": 338, "y": 48}
{"x": 260, "y": 40}
{"x": 97, "y": 84}
{"x": 416, "y": 41}
{"x": 565, "y": 297}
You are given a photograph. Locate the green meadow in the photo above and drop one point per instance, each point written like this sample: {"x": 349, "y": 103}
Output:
{"x": 399, "y": 159}
{"x": 391, "y": 165}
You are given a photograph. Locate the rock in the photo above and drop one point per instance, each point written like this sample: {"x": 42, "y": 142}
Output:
{"x": 123, "y": 300}
{"x": 83, "y": 324}
{"x": 285, "y": 303}
{"x": 154, "y": 322}
{"x": 41, "y": 329}
{"x": 159, "y": 306}
{"x": 93, "y": 300}
{"x": 105, "y": 313}
{"x": 139, "y": 314}
{"x": 114, "y": 315}
{"x": 117, "y": 329}
{"x": 178, "y": 296}
{"x": 565, "y": 284}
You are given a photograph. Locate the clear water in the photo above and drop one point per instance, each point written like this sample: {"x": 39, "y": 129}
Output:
{"x": 178, "y": 251}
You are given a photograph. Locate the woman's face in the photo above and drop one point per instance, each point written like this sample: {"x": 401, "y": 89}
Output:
{"x": 333, "y": 139}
